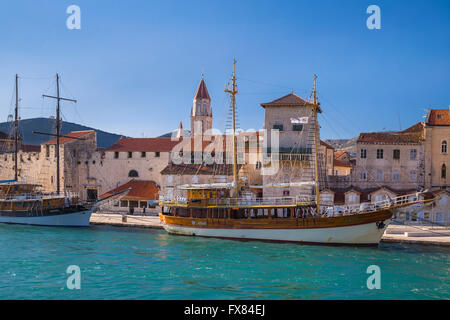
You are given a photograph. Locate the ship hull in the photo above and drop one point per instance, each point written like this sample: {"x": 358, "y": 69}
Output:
{"x": 365, "y": 231}
{"x": 72, "y": 219}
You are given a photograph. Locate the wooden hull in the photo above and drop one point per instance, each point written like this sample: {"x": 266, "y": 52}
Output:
{"x": 361, "y": 229}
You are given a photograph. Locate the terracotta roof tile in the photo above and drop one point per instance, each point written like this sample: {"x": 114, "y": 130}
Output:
{"x": 339, "y": 163}
{"x": 202, "y": 91}
{"x": 144, "y": 144}
{"x": 438, "y": 117}
{"x": 290, "y": 99}
{"x": 323, "y": 143}
{"x": 414, "y": 134}
{"x": 75, "y": 134}
{"x": 140, "y": 190}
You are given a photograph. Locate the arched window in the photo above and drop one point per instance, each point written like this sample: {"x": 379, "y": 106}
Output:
{"x": 444, "y": 147}
{"x": 133, "y": 174}
{"x": 444, "y": 172}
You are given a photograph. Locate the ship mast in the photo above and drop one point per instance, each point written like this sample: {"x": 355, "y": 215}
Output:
{"x": 233, "y": 91}
{"x": 316, "y": 162}
{"x": 16, "y": 129}
{"x": 58, "y": 129}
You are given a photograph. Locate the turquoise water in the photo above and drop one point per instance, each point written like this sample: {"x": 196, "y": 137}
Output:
{"x": 118, "y": 263}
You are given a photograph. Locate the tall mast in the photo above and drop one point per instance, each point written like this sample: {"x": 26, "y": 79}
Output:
{"x": 16, "y": 129}
{"x": 58, "y": 129}
{"x": 233, "y": 93}
{"x": 316, "y": 162}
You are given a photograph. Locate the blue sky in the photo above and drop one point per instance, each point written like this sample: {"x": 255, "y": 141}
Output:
{"x": 134, "y": 65}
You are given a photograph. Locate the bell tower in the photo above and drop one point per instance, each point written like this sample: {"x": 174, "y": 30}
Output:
{"x": 201, "y": 113}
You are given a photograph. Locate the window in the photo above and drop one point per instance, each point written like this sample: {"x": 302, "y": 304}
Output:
{"x": 143, "y": 154}
{"x": 297, "y": 127}
{"x": 258, "y": 165}
{"x": 278, "y": 127}
{"x": 195, "y": 179}
{"x": 362, "y": 175}
{"x": 287, "y": 178}
{"x": 444, "y": 172}
{"x": 363, "y": 153}
{"x": 352, "y": 197}
{"x": 413, "y": 154}
{"x": 396, "y": 154}
{"x": 379, "y": 198}
{"x": 169, "y": 179}
{"x": 157, "y": 154}
{"x": 130, "y": 155}
{"x": 379, "y": 153}
{"x": 47, "y": 151}
{"x": 379, "y": 175}
{"x": 412, "y": 176}
{"x": 444, "y": 147}
{"x": 116, "y": 155}
{"x": 395, "y": 175}
{"x": 286, "y": 193}
{"x": 133, "y": 174}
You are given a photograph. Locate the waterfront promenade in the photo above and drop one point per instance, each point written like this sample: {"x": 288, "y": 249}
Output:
{"x": 417, "y": 234}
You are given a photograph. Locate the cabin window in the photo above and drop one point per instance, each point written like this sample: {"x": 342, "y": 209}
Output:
{"x": 397, "y": 154}
{"x": 379, "y": 153}
{"x": 170, "y": 179}
{"x": 413, "y": 154}
{"x": 278, "y": 127}
{"x": 143, "y": 154}
{"x": 297, "y": 127}
{"x": 363, "y": 153}
{"x": 352, "y": 197}
{"x": 444, "y": 147}
{"x": 444, "y": 172}
{"x": 116, "y": 155}
{"x": 195, "y": 179}
{"x": 130, "y": 155}
{"x": 133, "y": 174}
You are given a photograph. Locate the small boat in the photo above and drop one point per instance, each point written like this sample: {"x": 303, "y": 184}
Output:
{"x": 221, "y": 210}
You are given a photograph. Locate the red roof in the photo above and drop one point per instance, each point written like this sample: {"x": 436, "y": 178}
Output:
{"x": 75, "y": 134}
{"x": 323, "y": 143}
{"x": 290, "y": 99}
{"x": 140, "y": 190}
{"x": 144, "y": 144}
{"x": 339, "y": 163}
{"x": 438, "y": 117}
{"x": 414, "y": 134}
{"x": 202, "y": 92}
{"x": 30, "y": 148}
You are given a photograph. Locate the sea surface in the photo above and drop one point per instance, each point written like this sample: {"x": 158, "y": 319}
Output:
{"x": 123, "y": 263}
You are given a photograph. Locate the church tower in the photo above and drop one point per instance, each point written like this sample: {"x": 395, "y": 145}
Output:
{"x": 201, "y": 114}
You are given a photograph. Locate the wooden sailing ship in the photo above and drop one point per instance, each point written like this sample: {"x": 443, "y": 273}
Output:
{"x": 219, "y": 210}
{"x": 25, "y": 203}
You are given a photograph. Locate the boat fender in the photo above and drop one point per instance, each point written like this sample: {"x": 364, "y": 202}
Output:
{"x": 381, "y": 225}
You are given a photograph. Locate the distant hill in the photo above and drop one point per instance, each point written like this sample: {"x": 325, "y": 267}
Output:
{"x": 27, "y": 126}
{"x": 348, "y": 145}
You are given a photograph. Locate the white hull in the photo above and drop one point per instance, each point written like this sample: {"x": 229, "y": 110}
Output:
{"x": 363, "y": 234}
{"x": 75, "y": 219}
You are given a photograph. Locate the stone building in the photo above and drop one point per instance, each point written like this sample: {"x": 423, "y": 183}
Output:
{"x": 437, "y": 158}
{"x": 38, "y": 164}
{"x": 395, "y": 159}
